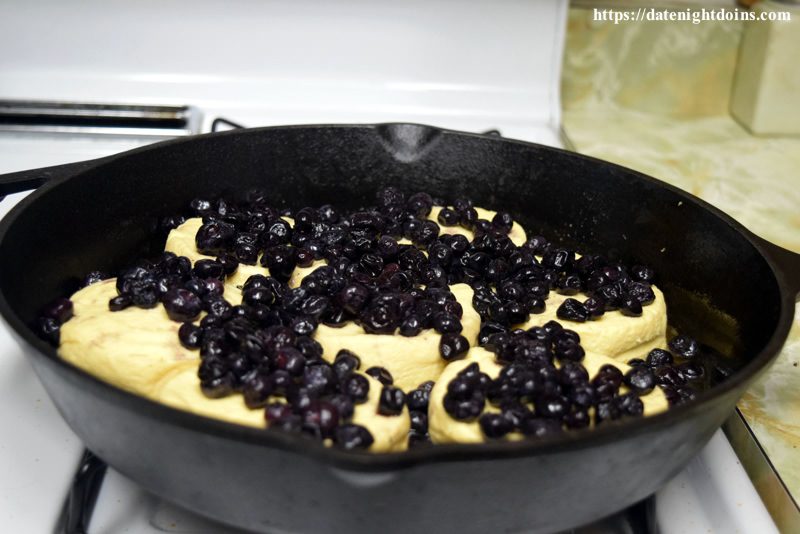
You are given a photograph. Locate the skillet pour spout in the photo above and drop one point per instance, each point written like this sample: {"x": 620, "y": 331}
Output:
{"x": 724, "y": 286}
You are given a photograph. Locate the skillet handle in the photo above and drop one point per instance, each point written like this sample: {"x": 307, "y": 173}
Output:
{"x": 15, "y": 182}
{"x": 786, "y": 262}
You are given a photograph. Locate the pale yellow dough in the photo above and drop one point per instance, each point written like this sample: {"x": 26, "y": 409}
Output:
{"x": 445, "y": 429}
{"x": 410, "y": 360}
{"x": 613, "y": 334}
{"x": 138, "y": 350}
{"x": 517, "y": 233}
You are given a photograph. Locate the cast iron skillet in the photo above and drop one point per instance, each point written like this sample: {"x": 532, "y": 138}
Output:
{"x": 725, "y": 286}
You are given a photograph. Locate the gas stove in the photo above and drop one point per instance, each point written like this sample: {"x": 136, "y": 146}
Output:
{"x": 105, "y": 77}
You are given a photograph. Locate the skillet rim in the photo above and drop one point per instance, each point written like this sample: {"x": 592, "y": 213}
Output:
{"x": 382, "y": 462}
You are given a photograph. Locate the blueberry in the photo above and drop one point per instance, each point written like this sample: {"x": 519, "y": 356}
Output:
{"x": 218, "y": 387}
{"x": 453, "y": 346}
{"x": 636, "y": 362}
{"x": 539, "y": 427}
{"x": 182, "y": 305}
{"x": 607, "y": 410}
{"x": 208, "y": 269}
{"x": 551, "y": 406}
{"x": 669, "y": 376}
{"x": 352, "y": 437}
{"x": 419, "y": 421}
{"x": 630, "y": 306}
{"x": 214, "y": 237}
{"x": 466, "y": 409}
{"x": 630, "y": 404}
{"x": 448, "y": 217}
{"x": 281, "y": 261}
{"x": 94, "y": 277}
{"x": 643, "y": 274}
{"x": 344, "y": 405}
{"x": 658, "y": 357}
{"x": 577, "y": 419}
{"x": 446, "y": 323}
{"x": 411, "y": 326}
{"x": 503, "y": 221}
{"x": 357, "y": 387}
{"x": 572, "y": 310}
{"x": 345, "y": 363}
{"x": 595, "y": 306}
{"x": 353, "y": 298}
{"x": 418, "y": 399}
{"x": 420, "y": 204}
{"x": 640, "y": 379}
{"x": 495, "y": 425}
{"x": 319, "y": 378}
{"x": 190, "y": 335}
{"x": 276, "y": 412}
{"x": 322, "y": 415}
{"x": 60, "y": 310}
{"x": 569, "y": 285}
{"x": 642, "y": 292}
{"x": 381, "y": 374}
{"x": 691, "y": 370}
{"x": 392, "y": 400}
{"x": 49, "y": 329}
{"x": 684, "y": 346}
{"x": 257, "y": 391}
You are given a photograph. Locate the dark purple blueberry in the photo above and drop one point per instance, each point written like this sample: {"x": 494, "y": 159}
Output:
{"x": 630, "y": 306}
{"x": 418, "y": 399}
{"x": 218, "y": 307}
{"x": 303, "y": 325}
{"x": 630, "y": 404}
{"x": 607, "y": 410}
{"x": 448, "y": 217}
{"x": 322, "y": 415}
{"x": 214, "y": 237}
{"x": 691, "y": 370}
{"x": 572, "y": 373}
{"x": 643, "y": 274}
{"x": 387, "y": 246}
{"x": 276, "y": 412}
{"x": 684, "y": 346}
{"x": 256, "y": 391}
{"x": 344, "y": 405}
{"x": 595, "y": 306}
{"x": 281, "y": 261}
{"x": 453, "y": 346}
{"x": 569, "y": 285}
{"x": 190, "y": 335}
{"x": 636, "y": 362}
{"x": 218, "y": 387}
{"x": 569, "y": 351}
{"x": 345, "y": 363}
{"x": 641, "y": 292}
{"x": 353, "y": 298}
{"x": 258, "y": 296}
{"x": 411, "y": 326}
{"x": 200, "y": 205}
{"x": 495, "y": 425}
{"x": 419, "y": 421}
{"x": 658, "y": 357}
{"x": 572, "y": 310}
{"x": 49, "y": 329}
{"x": 278, "y": 232}
{"x": 380, "y": 318}
{"x": 357, "y": 387}
{"x": 419, "y": 204}
{"x": 392, "y": 400}
{"x": 669, "y": 376}
{"x": 640, "y": 379}
{"x": 94, "y": 277}
{"x": 539, "y": 427}
{"x": 446, "y": 323}
{"x": 672, "y": 395}
{"x": 319, "y": 378}
{"x": 577, "y": 419}
{"x": 551, "y": 406}
{"x": 229, "y": 263}
{"x": 466, "y": 409}
{"x": 352, "y": 437}
{"x": 208, "y": 269}
{"x": 503, "y": 221}
{"x": 381, "y": 374}
{"x": 182, "y": 305}
{"x": 60, "y": 310}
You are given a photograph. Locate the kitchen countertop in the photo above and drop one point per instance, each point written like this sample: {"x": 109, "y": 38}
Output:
{"x": 655, "y": 97}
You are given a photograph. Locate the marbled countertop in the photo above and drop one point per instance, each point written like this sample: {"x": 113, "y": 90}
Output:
{"x": 655, "y": 98}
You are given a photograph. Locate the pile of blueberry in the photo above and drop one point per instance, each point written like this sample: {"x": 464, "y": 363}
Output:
{"x": 264, "y": 349}
{"x": 537, "y": 398}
